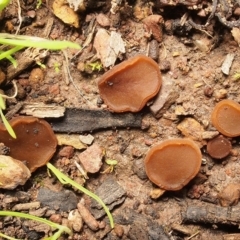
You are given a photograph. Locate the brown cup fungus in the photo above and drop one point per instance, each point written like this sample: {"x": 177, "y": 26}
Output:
{"x": 35, "y": 143}
{"x": 219, "y": 147}
{"x": 173, "y": 163}
{"x": 226, "y": 118}
{"x": 129, "y": 85}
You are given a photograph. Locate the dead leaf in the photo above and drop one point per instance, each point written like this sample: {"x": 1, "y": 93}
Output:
{"x": 62, "y": 10}
{"x": 108, "y": 47}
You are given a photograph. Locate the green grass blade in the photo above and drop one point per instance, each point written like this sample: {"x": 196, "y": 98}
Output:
{"x": 63, "y": 178}
{"x": 2, "y": 103}
{"x": 60, "y": 228}
{"x": 7, "y": 125}
{"x": 10, "y": 52}
{"x": 27, "y": 41}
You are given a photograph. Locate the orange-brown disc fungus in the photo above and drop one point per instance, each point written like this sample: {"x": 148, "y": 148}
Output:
{"x": 173, "y": 163}
{"x": 219, "y": 147}
{"x": 226, "y": 118}
{"x": 129, "y": 85}
{"x": 35, "y": 143}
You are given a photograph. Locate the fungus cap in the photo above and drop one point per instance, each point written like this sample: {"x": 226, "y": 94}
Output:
{"x": 226, "y": 118}
{"x": 219, "y": 147}
{"x": 129, "y": 85}
{"x": 173, "y": 163}
{"x": 35, "y": 143}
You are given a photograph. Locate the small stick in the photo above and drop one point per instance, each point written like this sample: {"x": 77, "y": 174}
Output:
{"x": 210, "y": 213}
{"x": 19, "y": 17}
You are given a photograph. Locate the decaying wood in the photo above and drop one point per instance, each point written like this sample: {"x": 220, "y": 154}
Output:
{"x": 82, "y": 120}
{"x": 209, "y": 213}
{"x": 142, "y": 226}
{"x": 42, "y": 110}
{"x": 112, "y": 195}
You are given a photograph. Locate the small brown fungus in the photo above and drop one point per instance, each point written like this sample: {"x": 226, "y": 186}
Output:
{"x": 219, "y": 147}
{"x": 226, "y": 118}
{"x": 173, "y": 163}
{"x": 129, "y": 85}
{"x": 35, "y": 143}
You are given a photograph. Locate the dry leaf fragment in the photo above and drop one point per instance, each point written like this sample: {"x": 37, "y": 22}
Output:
{"x": 108, "y": 47}
{"x": 236, "y": 35}
{"x": 62, "y": 10}
{"x": 154, "y": 25}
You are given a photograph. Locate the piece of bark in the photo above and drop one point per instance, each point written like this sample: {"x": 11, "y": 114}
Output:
{"x": 234, "y": 236}
{"x": 42, "y": 110}
{"x": 112, "y": 195}
{"x": 209, "y": 213}
{"x": 139, "y": 221}
{"x": 63, "y": 201}
{"x": 82, "y": 120}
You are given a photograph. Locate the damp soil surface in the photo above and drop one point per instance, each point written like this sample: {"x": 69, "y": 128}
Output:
{"x": 190, "y": 41}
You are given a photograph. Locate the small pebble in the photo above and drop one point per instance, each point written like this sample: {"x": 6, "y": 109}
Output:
{"x": 75, "y": 220}
{"x": 208, "y": 91}
{"x": 87, "y": 139}
{"x": 229, "y": 196}
{"x": 220, "y": 94}
{"x": 12, "y": 173}
{"x": 57, "y": 218}
{"x": 118, "y": 229}
{"x": 66, "y": 151}
{"x": 91, "y": 158}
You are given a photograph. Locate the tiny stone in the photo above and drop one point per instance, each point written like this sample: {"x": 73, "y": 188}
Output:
{"x": 91, "y": 158}
{"x": 75, "y": 220}
{"x": 209, "y": 134}
{"x": 208, "y": 91}
{"x": 12, "y": 172}
{"x": 118, "y": 229}
{"x": 220, "y": 94}
{"x": 156, "y": 193}
{"x": 103, "y": 20}
{"x": 31, "y": 14}
{"x": 87, "y": 139}
{"x": 36, "y": 76}
{"x": 229, "y": 196}
{"x": 237, "y": 11}
{"x": 66, "y": 151}
{"x": 57, "y": 218}
{"x": 165, "y": 66}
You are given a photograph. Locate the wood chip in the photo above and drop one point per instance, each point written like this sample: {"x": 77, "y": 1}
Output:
{"x": 112, "y": 195}
{"x": 227, "y": 63}
{"x": 41, "y": 110}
